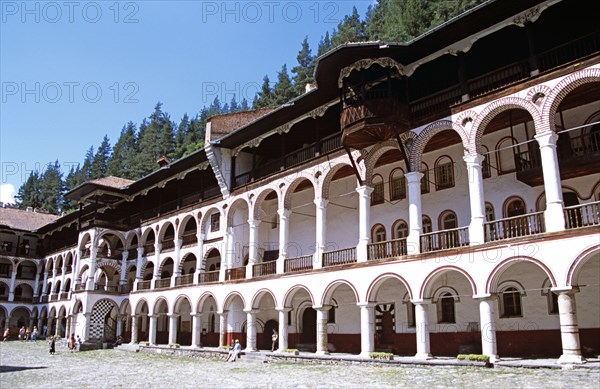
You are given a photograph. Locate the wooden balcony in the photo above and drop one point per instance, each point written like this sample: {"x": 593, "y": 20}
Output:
{"x": 583, "y": 215}
{"x": 264, "y": 269}
{"x": 189, "y": 240}
{"x": 208, "y": 276}
{"x": 167, "y": 245}
{"x": 144, "y": 285}
{"x": 162, "y": 283}
{"x": 187, "y": 279}
{"x": 445, "y": 239}
{"x": 339, "y": 257}
{"x": 513, "y": 227}
{"x": 297, "y": 264}
{"x": 237, "y": 273}
{"x": 387, "y": 249}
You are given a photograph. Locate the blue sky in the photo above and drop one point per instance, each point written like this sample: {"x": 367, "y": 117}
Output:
{"x": 73, "y": 71}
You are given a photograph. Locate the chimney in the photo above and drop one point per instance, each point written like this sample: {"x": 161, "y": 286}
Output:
{"x": 29, "y": 209}
{"x": 163, "y": 161}
{"x": 308, "y": 87}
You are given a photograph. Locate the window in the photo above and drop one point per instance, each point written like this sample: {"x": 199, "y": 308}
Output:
{"x": 505, "y": 155}
{"x": 551, "y": 298}
{"x": 425, "y": 178}
{"x": 489, "y": 212}
{"x": 515, "y": 207}
{"x": 426, "y": 224}
{"x": 397, "y": 185}
{"x": 215, "y": 222}
{"x": 511, "y": 302}
{"x": 378, "y": 233}
{"x": 5, "y": 269}
{"x": 486, "y": 169}
{"x": 448, "y": 220}
{"x": 400, "y": 229}
{"x": 377, "y": 195}
{"x": 446, "y": 308}
{"x": 444, "y": 173}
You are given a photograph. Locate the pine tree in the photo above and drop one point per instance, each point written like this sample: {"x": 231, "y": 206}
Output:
{"x": 123, "y": 154}
{"x": 181, "y": 136}
{"x": 52, "y": 188}
{"x": 305, "y": 69}
{"x": 374, "y": 21}
{"x": 324, "y": 45}
{"x": 233, "y": 105}
{"x": 244, "y": 105}
{"x": 100, "y": 160}
{"x": 70, "y": 182}
{"x": 350, "y": 29}
{"x": 29, "y": 194}
{"x": 265, "y": 97}
{"x": 283, "y": 91}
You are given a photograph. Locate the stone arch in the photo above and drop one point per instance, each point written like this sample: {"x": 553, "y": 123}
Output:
{"x": 572, "y": 276}
{"x": 85, "y": 238}
{"x": 182, "y": 226}
{"x": 492, "y": 280}
{"x": 428, "y": 282}
{"x": 230, "y": 297}
{"x": 260, "y": 199}
{"x": 492, "y": 110}
{"x": 258, "y": 296}
{"x": 202, "y": 300}
{"x": 330, "y": 289}
{"x": 163, "y": 229}
{"x": 429, "y": 132}
{"x": 107, "y": 263}
{"x": 162, "y": 264}
{"x": 140, "y": 305}
{"x": 98, "y": 330}
{"x": 287, "y": 194}
{"x": 561, "y": 90}
{"x": 146, "y": 234}
{"x": 135, "y": 234}
{"x": 158, "y": 303}
{"x": 237, "y": 204}
{"x": 124, "y": 305}
{"x": 205, "y": 217}
{"x": 179, "y": 300}
{"x": 381, "y": 148}
{"x": 289, "y": 295}
{"x": 326, "y": 183}
{"x": 117, "y": 234}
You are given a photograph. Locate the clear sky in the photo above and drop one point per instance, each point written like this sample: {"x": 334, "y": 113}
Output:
{"x": 72, "y": 71}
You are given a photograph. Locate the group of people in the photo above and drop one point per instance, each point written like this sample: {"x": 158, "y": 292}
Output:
{"x": 73, "y": 344}
{"x": 24, "y": 334}
{"x": 236, "y": 348}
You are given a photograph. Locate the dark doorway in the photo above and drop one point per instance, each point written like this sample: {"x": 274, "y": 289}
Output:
{"x": 309, "y": 326}
{"x": 268, "y": 332}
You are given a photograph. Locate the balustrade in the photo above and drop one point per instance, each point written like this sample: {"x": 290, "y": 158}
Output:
{"x": 209, "y": 276}
{"x": 298, "y": 264}
{"x": 339, "y": 257}
{"x": 445, "y": 239}
{"x": 387, "y": 249}
{"x": 264, "y": 268}
{"x": 512, "y": 227}
{"x": 582, "y": 215}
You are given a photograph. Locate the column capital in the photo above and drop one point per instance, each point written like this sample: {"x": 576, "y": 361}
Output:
{"x": 253, "y": 223}
{"x": 223, "y": 312}
{"x": 412, "y": 177}
{"x": 321, "y": 202}
{"x": 197, "y": 314}
{"x": 252, "y": 311}
{"x": 473, "y": 159}
{"x": 179, "y": 243}
{"x": 323, "y": 307}
{"x": 565, "y": 289}
{"x": 173, "y": 315}
{"x": 365, "y": 190}
{"x": 421, "y": 301}
{"x": 486, "y": 296}
{"x": 284, "y": 212}
{"x": 124, "y": 255}
{"x": 546, "y": 139}
{"x": 283, "y": 309}
{"x": 369, "y": 304}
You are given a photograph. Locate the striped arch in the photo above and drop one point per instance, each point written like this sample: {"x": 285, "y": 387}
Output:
{"x": 258, "y": 296}
{"x": 492, "y": 281}
{"x": 239, "y": 202}
{"x": 184, "y": 221}
{"x": 230, "y": 297}
{"x": 425, "y": 291}
{"x": 561, "y": 90}
{"x": 492, "y": 110}
{"x": 83, "y": 269}
{"x": 289, "y": 295}
{"x": 326, "y": 183}
{"x": 118, "y": 234}
{"x": 376, "y": 283}
{"x": 260, "y": 199}
{"x": 381, "y": 148}
{"x": 572, "y": 278}
{"x": 202, "y": 300}
{"x": 163, "y": 229}
{"x": 330, "y": 289}
{"x": 133, "y": 234}
{"x": 416, "y": 152}
{"x": 206, "y": 216}
{"x": 109, "y": 263}
{"x": 289, "y": 191}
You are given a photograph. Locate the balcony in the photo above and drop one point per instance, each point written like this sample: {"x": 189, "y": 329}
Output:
{"x": 298, "y": 264}
{"x": 162, "y": 283}
{"x": 238, "y": 273}
{"x": 583, "y": 215}
{"x": 445, "y": 239}
{"x": 149, "y": 249}
{"x": 209, "y": 276}
{"x": 79, "y": 287}
{"x": 187, "y": 279}
{"x": 54, "y": 297}
{"x": 264, "y": 269}
{"x": 189, "y": 240}
{"x": 144, "y": 285}
{"x": 577, "y": 156}
{"x": 387, "y": 249}
{"x": 25, "y": 299}
{"x": 339, "y": 257}
{"x": 168, "y": 245}
{"x": 513, "y": 227}
{"x": 125, "y": 289}
{"x": 64, "y": 296}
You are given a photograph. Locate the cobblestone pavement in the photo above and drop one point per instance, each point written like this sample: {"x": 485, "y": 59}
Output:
{"x": 29, "y": 365}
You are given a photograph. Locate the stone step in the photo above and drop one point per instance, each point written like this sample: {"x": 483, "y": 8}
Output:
{"x": 253, "y": 357}
{"x": 128, "y": 347}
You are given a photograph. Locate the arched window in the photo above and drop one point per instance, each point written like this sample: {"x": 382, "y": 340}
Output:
{"x": 510, "y": 302}
{"x": 377, "y": 196}
{"x": 444, "y": 173}
{"x": 448, "y": 239}
{"x": 426, "y": 226}
{"x": 400, "y": 229}
{"x": 425, "y": 178}
{"x": 486, "y": 169}
{"x": 489, "y": 212}
{"x": 448, "y": 220}
{"x": 505, "y": 158}
{"x": 445, "y": 298}
{"x": 397, "y": 184}
{"x": 515, "y": 206}
{"x": 378, "y": 233}
{"x": 551, "y": 297}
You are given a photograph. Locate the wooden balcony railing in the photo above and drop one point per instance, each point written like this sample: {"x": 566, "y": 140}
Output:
{"x": 331, "y": 143}
{"x": 445, "y": 239}
{"x": 44, "y": 299}
{"x": 264, "y": 268}
{"x": 187, "y": 279}
{"x": 387, "y": 249}
{"x": 64, "y": 296}
{"x": 513, "y": 227}
{"x": 162, "y": 283}
{"x": 149, "y": 249}
{"x": 208, "y": 276}
{"x": 498, "y": 78}
{"x": 297, "y": 157}
{"x": 54, "y": 297}
{"x": 582, "y": 215}
{"x": 339, "y": 257}
{"x": 144, "y": 285}
{"x": 189, "y": 240}
{"x": 124, "y": 289}
{"x": 568, "y": 52}
{"x": 168, "y": 245}
{"x": 23, "y": 299}
{"x": 298, "y": 264}
{"x": 79, "y": 287}
{"x": 237, "y": 273}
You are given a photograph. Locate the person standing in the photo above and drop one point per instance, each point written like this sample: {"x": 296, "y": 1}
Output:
{"x": 27, "y": 334}
{"x": 22, "y": 334}
{"x": 6, "y": 334}
{"x": 274, "y": 339}
{"x": 72, "y": 343}
{"x": 237, "y": 348}
{"x": 34, "y": 334}
{"x": 52, "y": 345}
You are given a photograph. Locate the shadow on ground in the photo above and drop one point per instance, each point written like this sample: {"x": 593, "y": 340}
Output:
{"x": 9, "y": 369}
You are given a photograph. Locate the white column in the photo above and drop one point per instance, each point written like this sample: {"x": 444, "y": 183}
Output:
{"x": 321, "y": 233}
{"x": 569, "y": 327}
{"x": 199, "y": 257}
{"x": 77, "y": 276}
{"x": 196, "y": 328}
{"x": 413, "y": 241}
{"x": 13, "y": 280}
{"x": 134, "y": 329}
{"x": 554, "y": 217}
{"x": 119, "y": 325}
{"x": 156, "y": 275}
{"x": 284, "y": 234}
{"x": 367, "y": 329}
{"x": 283, "y": 328}
{"x": 91, "y": 282}
{"x": 45, "y": 282}
{"x": 36, "y": 284}
{"x": 123, "y": 275}
{"x": 173, "y": 328}
{"x": 251, "y": 330}
{"x": 177, "y": 262}
{"x": 476, "y": 197}
{"x": 322, "y": 320}
{"x": 138, "y": 267}
{"x": 152, "y": 329}
{"x": 364, "y": 222}
{"x": 487, "y": 323}
{"x": 222, "y": 328}
{"x": 422, "y": 326}
{"x": 253, "y": 225}
{"x": 86, "y": 326}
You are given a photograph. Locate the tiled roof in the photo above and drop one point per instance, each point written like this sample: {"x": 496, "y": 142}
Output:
{"x": 223, "y": 124}
{"x": 112, "y": 181}
{"x": 24, "y": 220}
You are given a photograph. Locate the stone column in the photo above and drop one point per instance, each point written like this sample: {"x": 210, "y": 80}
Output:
{"x": 251, "y": 330}
{"x": 422, "y": 326}
{"x": 86, "y": 327}
{"x": 367, "y": 329}
{"x": 77, "y": 269}
{"x": 554, "y": 217}
{"x": 91, "y": 282}
{"x": 13, "y": 281}
{"x": 123, "y": 274}
{"x": 476, "y": 197}
{"x": 177, "y": 262}
{"x": 45, "y": 283}
{"x": 196, "y": 328}
{"x": 173, "y": 327}
{"x": 569, "y": 327}
{"x": 199, "y": 257}
{"x": 36, "y": 284}
{"x": 322, "y": 320}
{"x": 413, "y": 241}
{"x": 284, "y": 234}
{"x": 222, "y": 328}
{"x": 364, "y": 222}
{"x": 321, "y": 232}
{"x": 134, "y": 329}
{"x": 138, "y": 267}
{"x": 119, "y": 325}
{"x": 253, "y": 225}
{"x": 487, "y": 323}
{"x": 283, "y": 328}
{"x": 153, "y": 321}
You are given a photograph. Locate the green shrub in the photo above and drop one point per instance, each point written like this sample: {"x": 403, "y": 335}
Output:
{"x": 291, "y": 351}
{"x": 144, "y": 343}
{"x": 381, "y": 355}
{"x": 473, "y": 357}
{"x": 176, "y": 345}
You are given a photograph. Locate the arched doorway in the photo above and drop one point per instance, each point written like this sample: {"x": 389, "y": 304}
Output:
{"x": 103, "y": 322}
{"x": 268, "y": 332}
{"x": 309, "y": 326}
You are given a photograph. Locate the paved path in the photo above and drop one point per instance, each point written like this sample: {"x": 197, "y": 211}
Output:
{"x": 28, "y": 365}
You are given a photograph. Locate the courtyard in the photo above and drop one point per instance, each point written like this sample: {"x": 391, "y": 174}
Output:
{"x": 28, "y": 365}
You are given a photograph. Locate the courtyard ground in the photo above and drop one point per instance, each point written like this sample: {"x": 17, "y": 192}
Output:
{"x": 29, "y": 365}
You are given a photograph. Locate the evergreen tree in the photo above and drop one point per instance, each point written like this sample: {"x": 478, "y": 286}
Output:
{"x": 283, "y": 91}
{"x": 305, "y": 69}
{"x": 265, "y": 97}
{"x": 233, "y": 105}
{"x": 100, "y": 160}
{"x": 29, "y": 194}
{"x": 123, "y": 155}
{"x": 70, "y": 182}
{"x": 350, "y": 29}
{"x": 52, "y": 188}
{"x": 181, "y": 137}
{"x": 324, "y": 45}
{"x": 244, "y": 105}
{"x": 374, "y": 21}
